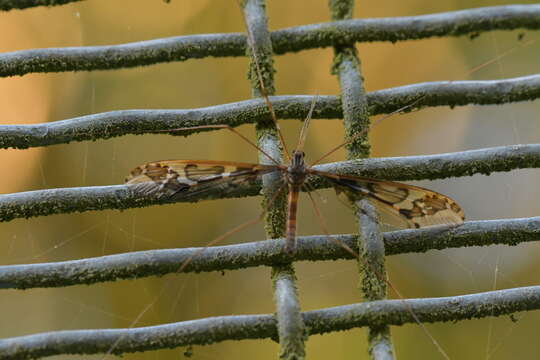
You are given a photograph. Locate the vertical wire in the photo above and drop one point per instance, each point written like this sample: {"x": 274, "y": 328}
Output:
{"x": 291, "y": 330}
{"x": 356, "y": 120}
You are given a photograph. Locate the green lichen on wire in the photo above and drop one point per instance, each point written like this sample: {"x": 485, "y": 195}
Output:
{"x": 355, "y": 112}
{"x": 267, "y": 136}
{"x": 357, "y": 123}
{"x": 291, "y": 330}
{"x": 287, "y": 40}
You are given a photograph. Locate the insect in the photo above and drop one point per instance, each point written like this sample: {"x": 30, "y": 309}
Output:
{"x": 185, "y": 179}
{"x": 416, "y": 206}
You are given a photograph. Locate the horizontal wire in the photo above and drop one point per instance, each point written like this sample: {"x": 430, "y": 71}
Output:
{"x": 440, "y": 166}
{"x": 181, "y": 48}
{"x": 159, "y": 262}
{"x": 122, "y": 122}
{"x": 237, "y": 327}
{"x": 262, "y": 253}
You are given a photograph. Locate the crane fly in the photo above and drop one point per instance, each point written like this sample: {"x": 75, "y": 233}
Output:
{"x": 185, "y": 179}
{"x": 181, "y": 179}
{"x": 416, "y": 206}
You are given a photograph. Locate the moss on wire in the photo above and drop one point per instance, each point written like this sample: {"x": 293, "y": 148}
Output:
{"x": 182, "y": 48}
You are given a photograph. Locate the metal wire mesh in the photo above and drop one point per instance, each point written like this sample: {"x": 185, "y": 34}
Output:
{"x": 288, "y": 325}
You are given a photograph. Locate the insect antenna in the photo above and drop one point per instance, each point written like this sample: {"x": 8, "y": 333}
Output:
{"x": 305, "y": 126}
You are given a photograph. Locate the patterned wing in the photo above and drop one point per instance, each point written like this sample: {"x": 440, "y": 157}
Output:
{"x": 417, "y": 206}
{"x": 186, "y": 178}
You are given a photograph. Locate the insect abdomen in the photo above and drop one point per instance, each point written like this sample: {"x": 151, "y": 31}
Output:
{"x": 291, "y": 218}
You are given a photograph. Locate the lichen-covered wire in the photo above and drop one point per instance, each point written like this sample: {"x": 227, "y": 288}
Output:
{"x": 356, "y": 121}
{"x": 290, "y": 325}
{"x": 159, "y": 262}
{"x": 116, "y": 195}
{"x": 440, "y": 166}
{"x": 216, "y": 329}
{"x": 181, "y": 48}
{"x": 122, "y": 122}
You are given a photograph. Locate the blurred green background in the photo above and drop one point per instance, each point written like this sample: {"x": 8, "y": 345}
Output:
{"x": 40, "y": 98}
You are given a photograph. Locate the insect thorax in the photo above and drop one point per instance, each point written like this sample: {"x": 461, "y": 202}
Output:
{"x": 296, "y": 172}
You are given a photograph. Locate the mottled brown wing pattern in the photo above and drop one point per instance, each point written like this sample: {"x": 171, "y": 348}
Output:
{"x": 173, "y": 178}
{"x": 416, "y": 206}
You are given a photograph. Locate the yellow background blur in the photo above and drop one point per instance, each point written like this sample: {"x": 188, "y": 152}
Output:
{"x": 37, "y": 98}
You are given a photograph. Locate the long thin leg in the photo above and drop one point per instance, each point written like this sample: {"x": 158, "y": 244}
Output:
{"x": 199, "y": 252}
{"x": 473, "y": 70}
{"x": 500, "y": 56}
{"x": 377, "y": 273}
{"x": 224, "y": 126}
{"x": 324, "y": 228}
{"x": 262, "y": 87}
{"x": 234, "y": 230}
{"x": 362, "y": 133}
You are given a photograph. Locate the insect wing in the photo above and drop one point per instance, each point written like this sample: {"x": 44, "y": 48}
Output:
{"x": 187, "y": 178}
{"x": 416, "y": 206}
